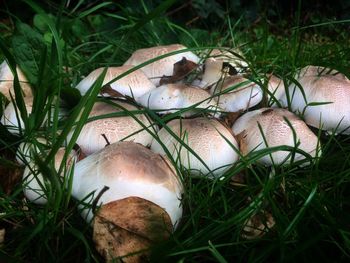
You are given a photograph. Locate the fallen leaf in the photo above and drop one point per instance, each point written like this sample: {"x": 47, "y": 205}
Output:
{"x": 128, "y": 227}
{"x": 181, "y": 69}
{"x": 257, "y": 225}
{"x": 2, "y": 236}
{"x": 107, "y": 89}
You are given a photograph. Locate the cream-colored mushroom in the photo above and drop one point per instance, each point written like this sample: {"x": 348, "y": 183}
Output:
{"x": 237, "y": 93}
{"x": 211, "y": 141}
{"x": 6, "y": 82}
{"x": 133, "y": 85}
{"x": 162, "y": 67}
{"x": 322, "y": 97}
{"x": 128, "y": 169}
{"x": 35, "y": 185}
{"x": 174, "y": 97}
{"x": 222, "y": 63}
{"x": 26, "y": 150}
{"x": 96, "y": 134}
{"x": 275, "y": 131}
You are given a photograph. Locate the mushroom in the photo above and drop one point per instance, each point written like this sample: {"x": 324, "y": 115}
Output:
{"x": 162, "y": 67}
{"x": 97, "y": 133}
{"x": 173, "y": 97}
{"x": 323, "y": 98}
{"x": 222, "y": 63}
{"x": 276, "y": 90}
{"x": 11, "y": 117}
{"x": 127, "y": 169}
{"x": 133, "y": 85}
{"x": 275, "y": 131}
{"x": 237, "y": 93}
{"x": 36, "y": 186}
{"x": 6, "y": 81}
{"x": 26, "y": 150}
{"x": 212, "y": 142}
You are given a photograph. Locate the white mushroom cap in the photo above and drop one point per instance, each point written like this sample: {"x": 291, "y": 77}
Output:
{"x": 26, "y": 150}
{"x": 331, "y": 93}
{"x": 208, "y": 138}
{"x": 128, "y": 169}
{"x": 115, "y": 128}
{"x": 9, "y": 117}
{"x": 133, "y": 85}
{"x": 6, "y": 81}
{"x": 244, "y": 94}
{"x": 161, "y": 67}
{"x": 277, "y": 132}
{"x": 277, "y": 91}
{"x": 215, "y": 65}
{"x": 173, "y": 97}
{"x": 35, "y": 186}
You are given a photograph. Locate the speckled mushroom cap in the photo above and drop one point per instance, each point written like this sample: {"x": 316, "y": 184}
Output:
{"x": 244, "y": 94}
{"x": 276, "y": 131}
{"x": 9, "y": 117}
{"x": 162, "y": 67}
{"x": 6, "y": 81}
{"x": 115, "y": 128}
{"x": 215, "y": 67}
{"x": 332, "y": 94}
{"x": 208, "y": 138}
{"x": 133, "y": 85}
{"x": 173, "y": 97}
{"x": 34, "y": 184}
{"x": 128, "y": 169}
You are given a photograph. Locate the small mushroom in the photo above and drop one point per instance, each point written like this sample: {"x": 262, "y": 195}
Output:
{"x": 11, "y": 117}
{"x": 174, "y": 97}
{"x": 237, "y": 93}
{"x": 276, "y": 90}
{"x": 162, "y": 67}
{"x": 96, "y": 134}
{"x": 323, "y": 99}
{"x": 210, "y": 140}
{"x": 26, "y": 150}
{"x": 6, "y": 81}
{"x": 275, "y": 131}
{"x": 127, "y": 169}
{"x": 220, "y": 64}
{"x": 133, "y": 85}
{"x": 35, "y": 185}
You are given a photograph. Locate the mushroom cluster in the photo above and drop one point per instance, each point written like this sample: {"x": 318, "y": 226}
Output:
{"x": 132, "y": 163}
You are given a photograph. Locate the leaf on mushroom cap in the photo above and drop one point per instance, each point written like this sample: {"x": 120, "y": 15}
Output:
{"x": 128, "y": 169}
{"x": 133, "y": 85}
{"x": 323, "y": 98}
{"x": 277, "y": 132}
{"x": 244, "y": 94}
{"x": 6, "y": 81}
{"x": 97, "y": 133}
{"x": 213, "y": 143}
{"x": 162, "y": 67}
{"x": 173, "y": 97}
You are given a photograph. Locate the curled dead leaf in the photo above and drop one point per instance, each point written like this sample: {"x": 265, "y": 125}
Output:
{"x": 181, "y": 69}
{"x": 128, "y": 227}
{"x": 257, "y": 225}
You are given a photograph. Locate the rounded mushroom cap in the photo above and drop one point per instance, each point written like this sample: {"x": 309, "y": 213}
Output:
{"x": 91, "y": 138}
{"x": 35, "y": 186}
{"x": 220, "y": 64}
{"x": 6, "y": 81}
{"x": 208, "y": 138}
{"x": 161, "y": 67}
{"x": 326, "y": 100}
{"x": 277, "y": 132}
{"x": 26, "y": 150}
{"x": 173, "y": 97}
{"x": 128, "y": 169}
{"x": 244, "y": 94}
{"x": 9, "y": 117}
{"x": 133, "y": 85}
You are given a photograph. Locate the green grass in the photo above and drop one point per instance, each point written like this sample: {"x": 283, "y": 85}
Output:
{"x": 311, "y": 205}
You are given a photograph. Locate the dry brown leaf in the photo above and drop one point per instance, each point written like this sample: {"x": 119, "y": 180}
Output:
{"x": 181, "y": 69}
{"x": 257, "y": 225}
{"x": 2, "y": 236}
{"x": 231, "y": 117}
{"x": 107, "y": 89}
{"x": 130, "y": 225}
